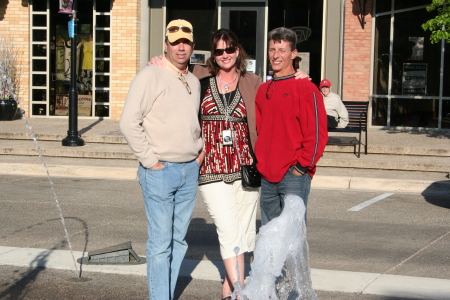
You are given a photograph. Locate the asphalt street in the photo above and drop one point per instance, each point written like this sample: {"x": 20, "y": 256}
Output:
{"x": 400, "y": 234}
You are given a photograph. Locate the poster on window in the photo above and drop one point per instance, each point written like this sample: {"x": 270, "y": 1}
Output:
{"x": 417, "y": 48}
{"x": 200, "y": 57}
{"x": 414, "y": 79}
{"x": 65, "y": 6}
{"x": 251, "y": 65}
{"x": 62, "y": 105}
{"x": 84, "y": 105}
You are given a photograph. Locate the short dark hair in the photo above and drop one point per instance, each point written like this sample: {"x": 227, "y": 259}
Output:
{"x": 283, "y": 34}
{"x": 230, "y": 39}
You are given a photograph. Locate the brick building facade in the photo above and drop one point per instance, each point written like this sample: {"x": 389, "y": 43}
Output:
{"x": 354, "y": 55}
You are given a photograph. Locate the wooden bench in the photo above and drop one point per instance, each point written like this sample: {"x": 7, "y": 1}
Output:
{"x": 357, "y": 114}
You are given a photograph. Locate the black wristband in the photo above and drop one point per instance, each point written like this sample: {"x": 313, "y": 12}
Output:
{"x": 300, "y": 169}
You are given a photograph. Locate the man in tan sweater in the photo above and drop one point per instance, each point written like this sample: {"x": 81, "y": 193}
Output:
{"x": 160, "y": 123}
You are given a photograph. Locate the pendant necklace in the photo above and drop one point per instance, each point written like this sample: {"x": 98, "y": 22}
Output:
{"x": 226, "y": 87}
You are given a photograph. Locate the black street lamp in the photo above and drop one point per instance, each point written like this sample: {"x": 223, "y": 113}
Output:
{"x": 73, "y": 138}
{"x": 362, "y": 12}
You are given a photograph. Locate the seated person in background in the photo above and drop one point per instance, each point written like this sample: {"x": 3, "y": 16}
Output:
{"x": 336, "y": 111}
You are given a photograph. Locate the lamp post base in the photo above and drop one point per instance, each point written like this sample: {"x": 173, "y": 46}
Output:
{"x": 73, "y": 141}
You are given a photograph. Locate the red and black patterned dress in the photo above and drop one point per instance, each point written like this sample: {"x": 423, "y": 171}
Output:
{"x": 222, "y": 162}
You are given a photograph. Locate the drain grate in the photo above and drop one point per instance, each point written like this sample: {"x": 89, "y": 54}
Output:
{"x": 122, "y": 254}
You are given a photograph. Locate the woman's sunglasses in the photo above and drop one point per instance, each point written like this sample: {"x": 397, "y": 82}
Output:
{"x": 229, "y": 50}
{"x": 174, "y": 29}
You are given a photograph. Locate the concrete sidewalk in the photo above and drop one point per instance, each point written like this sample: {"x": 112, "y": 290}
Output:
{"x": 425, "y": 142}
{"x": 397, "y": 161}
{"x": 323, "y": 280}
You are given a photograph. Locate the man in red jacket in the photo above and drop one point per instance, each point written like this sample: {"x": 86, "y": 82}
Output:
{"x": 292, "y": 128}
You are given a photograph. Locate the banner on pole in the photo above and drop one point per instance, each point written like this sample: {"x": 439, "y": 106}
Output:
{"x": 65, "y": 6}
{"x": 71, "y": 29}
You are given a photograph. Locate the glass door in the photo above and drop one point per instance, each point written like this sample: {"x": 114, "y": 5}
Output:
{"x": 247, "y": 20}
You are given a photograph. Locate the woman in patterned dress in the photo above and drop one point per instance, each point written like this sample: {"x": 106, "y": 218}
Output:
{"x": 227, "y": 108}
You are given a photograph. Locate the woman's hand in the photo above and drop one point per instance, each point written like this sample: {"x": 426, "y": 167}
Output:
{"x": 156, "y": 61}
{"x": 301, "y": 74}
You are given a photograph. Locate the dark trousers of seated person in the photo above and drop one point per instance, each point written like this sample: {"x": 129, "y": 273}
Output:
{"x": 332, "y": 122}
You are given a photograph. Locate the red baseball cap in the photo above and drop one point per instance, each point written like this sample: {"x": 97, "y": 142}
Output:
{"x": 325, "y": 82}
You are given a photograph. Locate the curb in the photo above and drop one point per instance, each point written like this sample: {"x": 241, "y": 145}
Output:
{"x": 323, "y": 280}
{"x": 68, "y": 171}
{"x": 324, "y": 182}
{"x": 381, "y": 184}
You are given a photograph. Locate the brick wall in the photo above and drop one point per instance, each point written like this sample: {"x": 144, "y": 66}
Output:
{"x": 125, "y": 51}
{"x": 357, "y": 49}
{"x": 15, "y": 24}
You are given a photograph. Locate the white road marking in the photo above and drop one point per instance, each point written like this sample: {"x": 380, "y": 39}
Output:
{"x": 369, "y": 202}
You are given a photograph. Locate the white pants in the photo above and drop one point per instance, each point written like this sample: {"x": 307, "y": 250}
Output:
{"x": 234, "y": 213}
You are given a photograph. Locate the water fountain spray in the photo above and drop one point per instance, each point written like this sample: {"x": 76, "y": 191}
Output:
{"x": 280, "y": 270}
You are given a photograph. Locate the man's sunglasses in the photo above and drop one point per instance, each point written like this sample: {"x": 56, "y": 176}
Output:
{"x": 229, "y": 50}
{"x": 174, "y": 29}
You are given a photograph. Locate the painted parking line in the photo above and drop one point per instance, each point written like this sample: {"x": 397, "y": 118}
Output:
{"x": 369, "y": 202}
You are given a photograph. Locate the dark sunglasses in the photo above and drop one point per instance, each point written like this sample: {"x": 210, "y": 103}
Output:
{"x": 174, "y": 29}
{"x": 229, "y": 50}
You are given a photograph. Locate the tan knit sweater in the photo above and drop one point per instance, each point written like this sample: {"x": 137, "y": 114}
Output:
{"x": 160, "y": 118}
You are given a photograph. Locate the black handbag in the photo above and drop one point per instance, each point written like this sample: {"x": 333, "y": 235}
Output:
{"x": 250, "y": 176}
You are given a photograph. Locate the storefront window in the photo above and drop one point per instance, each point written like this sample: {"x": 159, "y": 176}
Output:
{"x": 307, "y": 17}
{"x": 381, "y": 63}
{"x": 408, "y": 90}
{"x": 379, "y": 111}
{"x": 416, "y": 62}
{"x": 39, "y": 20}
{"x": 403, "y": 4}
{"x": 382, "y": 6}
{"x": 52, "y": 54}
{"x": 446, "y": 85}
{"x": 446, "y": 114}
{"x": 201, "y": 14}
{"x": 414, "y": 113}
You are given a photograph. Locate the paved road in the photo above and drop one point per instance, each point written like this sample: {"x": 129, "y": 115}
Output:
{"x": 398, "y": 234}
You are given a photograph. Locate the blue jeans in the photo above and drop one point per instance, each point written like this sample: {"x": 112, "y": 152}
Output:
{"x": 169, "y": 199}
{"x": 273, "y": 193}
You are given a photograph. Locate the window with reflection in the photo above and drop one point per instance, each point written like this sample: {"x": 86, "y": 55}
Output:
{"x": 446, "y": 114}
{"x": 381, "y": 55}
{"x": 414, "y": 113}
{"x": 379, "y": 111}
{"x": 416, "y": 62}
{"x": 411, "y": 65}
{"x": 404, "y": 4}
{"x": 382, "y": 6}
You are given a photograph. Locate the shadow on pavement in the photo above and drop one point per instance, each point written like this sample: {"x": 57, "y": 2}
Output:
{"x": 438, "y": 194}
{"x": 87, "y": 128}
{"x": 428, "y": 133}
{"x": 19, "y": 288}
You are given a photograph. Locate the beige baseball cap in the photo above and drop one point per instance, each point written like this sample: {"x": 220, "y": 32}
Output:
{"x": 179, "y": 29}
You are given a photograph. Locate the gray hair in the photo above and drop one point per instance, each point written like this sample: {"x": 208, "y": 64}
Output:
{"x": 283, "y": 34}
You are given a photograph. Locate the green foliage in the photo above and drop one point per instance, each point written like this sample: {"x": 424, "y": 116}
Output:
{"x": 440, "y": 25}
